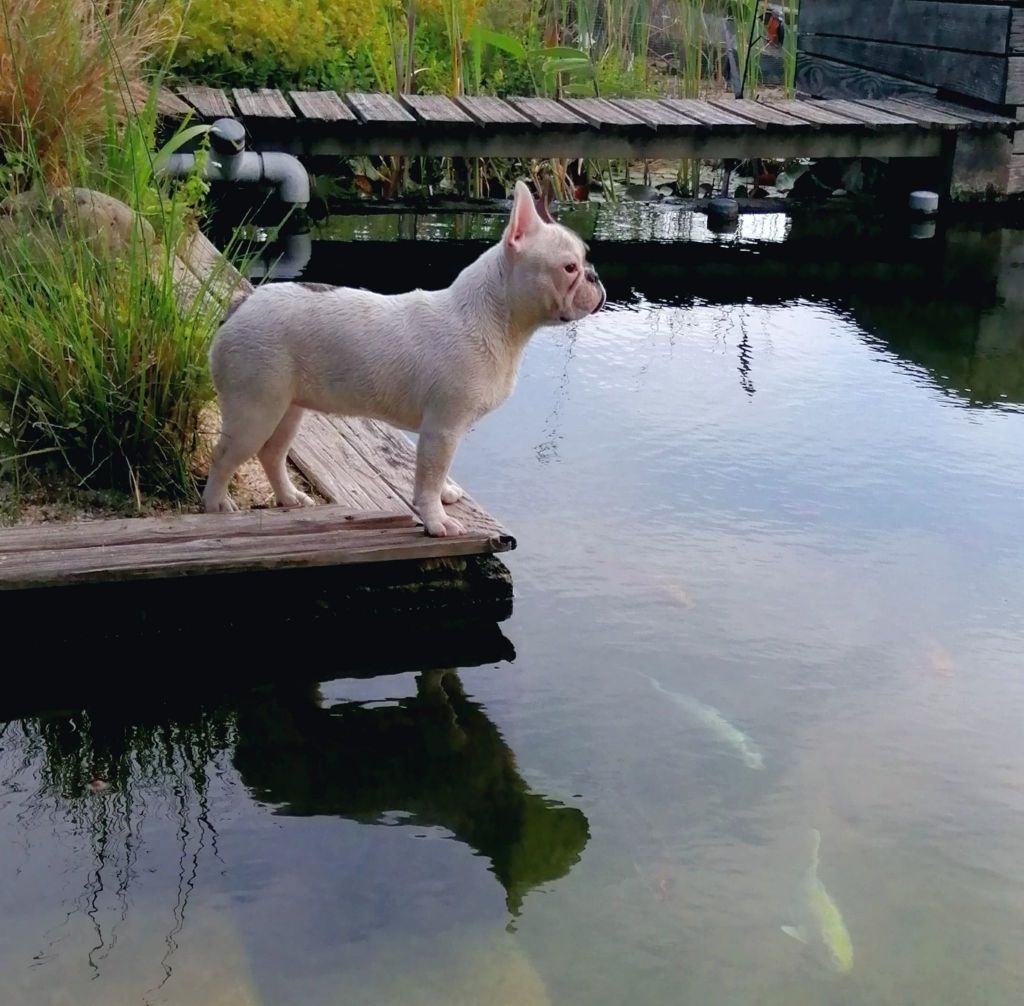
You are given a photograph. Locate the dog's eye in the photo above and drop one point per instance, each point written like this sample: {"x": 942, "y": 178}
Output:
{"x": 571, "y": 268}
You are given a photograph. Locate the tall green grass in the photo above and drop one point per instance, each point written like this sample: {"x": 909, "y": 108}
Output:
{"x": 101, "y": 368}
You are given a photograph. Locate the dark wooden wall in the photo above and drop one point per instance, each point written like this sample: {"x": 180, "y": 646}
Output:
{"x": 958, "y": 48}
{"x": 970, "y": 51}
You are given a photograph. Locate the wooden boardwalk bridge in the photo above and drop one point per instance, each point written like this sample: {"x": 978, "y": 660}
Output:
{"x": 327, "y": 124}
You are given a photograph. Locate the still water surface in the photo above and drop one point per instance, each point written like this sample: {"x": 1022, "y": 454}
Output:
{"x": 787, "y": 524}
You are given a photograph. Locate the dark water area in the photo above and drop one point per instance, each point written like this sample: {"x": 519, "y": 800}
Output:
{"x": 768, "y": 585}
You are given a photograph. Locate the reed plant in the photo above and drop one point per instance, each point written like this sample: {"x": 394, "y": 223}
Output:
{"x": 789, "y": 47}
{"x": 66, "y": 68}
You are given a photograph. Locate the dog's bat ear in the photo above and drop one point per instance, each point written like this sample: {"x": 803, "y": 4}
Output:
{"x": 524, "y": 218}
{"x": 543, "y": 201}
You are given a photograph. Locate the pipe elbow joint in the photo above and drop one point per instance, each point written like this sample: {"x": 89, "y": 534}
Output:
{"x": 287, "y": 173}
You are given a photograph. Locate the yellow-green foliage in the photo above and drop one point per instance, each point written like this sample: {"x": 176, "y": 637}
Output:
{"x": 297, "y": 41}
{"x": 336, "y": 43}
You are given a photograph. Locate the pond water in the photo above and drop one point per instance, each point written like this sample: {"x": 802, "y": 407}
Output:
{"x": 769, "y": 582}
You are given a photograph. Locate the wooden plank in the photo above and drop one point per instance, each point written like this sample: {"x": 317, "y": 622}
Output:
{"x": 829, "y": 78}
{"x": 979, "y": 119}
{"x": 707, "y": 114}
{"x": 548, "y": 114}
{"x": 876, "y": 118}
{"x": 437, "y": 109}
{"x": 376, "y": 465}
{"x": 491, "y": 111}
{"x": 820, "y": 113}
{"x": 1015, "y": 185}
{"x": 931, "y": 118}
{"x": 170, "y": 106}
{"x": 761, "y": 115}
{"x": 1017, "y": 31}
{"x": 205, "y": 556}
{"x": 657, "y": 114}
{"x": 1018, "y": 141}
{"x": 266, "y": 103}
{"x": 209, "y": 102}
{"x": 393, "y": 456}
{"x": 337, "y": 470}
{"x": 322, "y": 106}
{"x": 979, "y": 76}
{"x": 971, "y": 27}
{"x": 605, "y": 115}
{"x": 1015, "y": 80}
{"x": 379, "y": 109}
{"x": 189, "y": 527}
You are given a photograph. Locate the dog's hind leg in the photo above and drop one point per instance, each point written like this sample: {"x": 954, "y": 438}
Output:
{"x": 244, "y": 431}
{"x": 273, "y": 456}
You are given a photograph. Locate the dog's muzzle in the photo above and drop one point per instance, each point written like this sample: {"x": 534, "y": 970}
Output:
{"x": 591, "y": 276}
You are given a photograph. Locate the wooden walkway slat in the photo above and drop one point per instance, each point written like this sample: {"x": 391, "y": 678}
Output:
{"x": 545, "y": 113}
{"x": 656, "y": 114}
{"x": 379, "y": 109}
{"x": 977, "y": 118}
{"x": 169, "y": 105}
{"x": 266, "y": 103}
{"x": 338, "y": 470}
{"x": 604, "y": 115}
{"x": 274, "y": 523}
{"x": 818, "y": 113}
{"x": 931, "y": 118}
{"x": 322, "y": 106}
{"x": 209, "y": 102}
{"x": 874, "y": 117}
{"x": 707, "y": 114}
{"x": 761, "y": 115}
{"x": 491, "y": 111}
{"x": 436, "y": 108}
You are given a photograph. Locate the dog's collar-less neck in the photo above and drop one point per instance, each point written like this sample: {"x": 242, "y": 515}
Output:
{"x": 475, "y": 285}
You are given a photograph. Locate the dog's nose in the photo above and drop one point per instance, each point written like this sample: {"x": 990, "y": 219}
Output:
{"x": 591, "y": 274}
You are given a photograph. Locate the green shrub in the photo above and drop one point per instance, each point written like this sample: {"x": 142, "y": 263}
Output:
{"x": 290, "y": 43}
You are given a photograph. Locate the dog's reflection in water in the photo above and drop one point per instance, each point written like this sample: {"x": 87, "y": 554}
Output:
{"x": 435, "y": 756}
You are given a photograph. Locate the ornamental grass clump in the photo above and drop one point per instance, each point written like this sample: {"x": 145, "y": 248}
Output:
{"x": 103, "y": 370}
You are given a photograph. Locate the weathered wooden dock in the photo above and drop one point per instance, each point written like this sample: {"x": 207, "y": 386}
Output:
{"x": 363, "y": 468}
{"x": 364, "y": 471}
{"x": 324, "y": 123}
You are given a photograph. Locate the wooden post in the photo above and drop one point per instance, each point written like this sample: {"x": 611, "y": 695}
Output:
{"x": 980, "y": 168}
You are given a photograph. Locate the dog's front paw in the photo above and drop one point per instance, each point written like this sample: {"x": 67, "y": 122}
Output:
{"x": 442, "y": 526}
{"x": 225, "y": 505}
{"x": 451, "y": 493}
{"x": 295, "y": 498}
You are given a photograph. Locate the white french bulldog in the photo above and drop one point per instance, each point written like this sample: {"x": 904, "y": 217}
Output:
{"x": 427, "y": 361}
